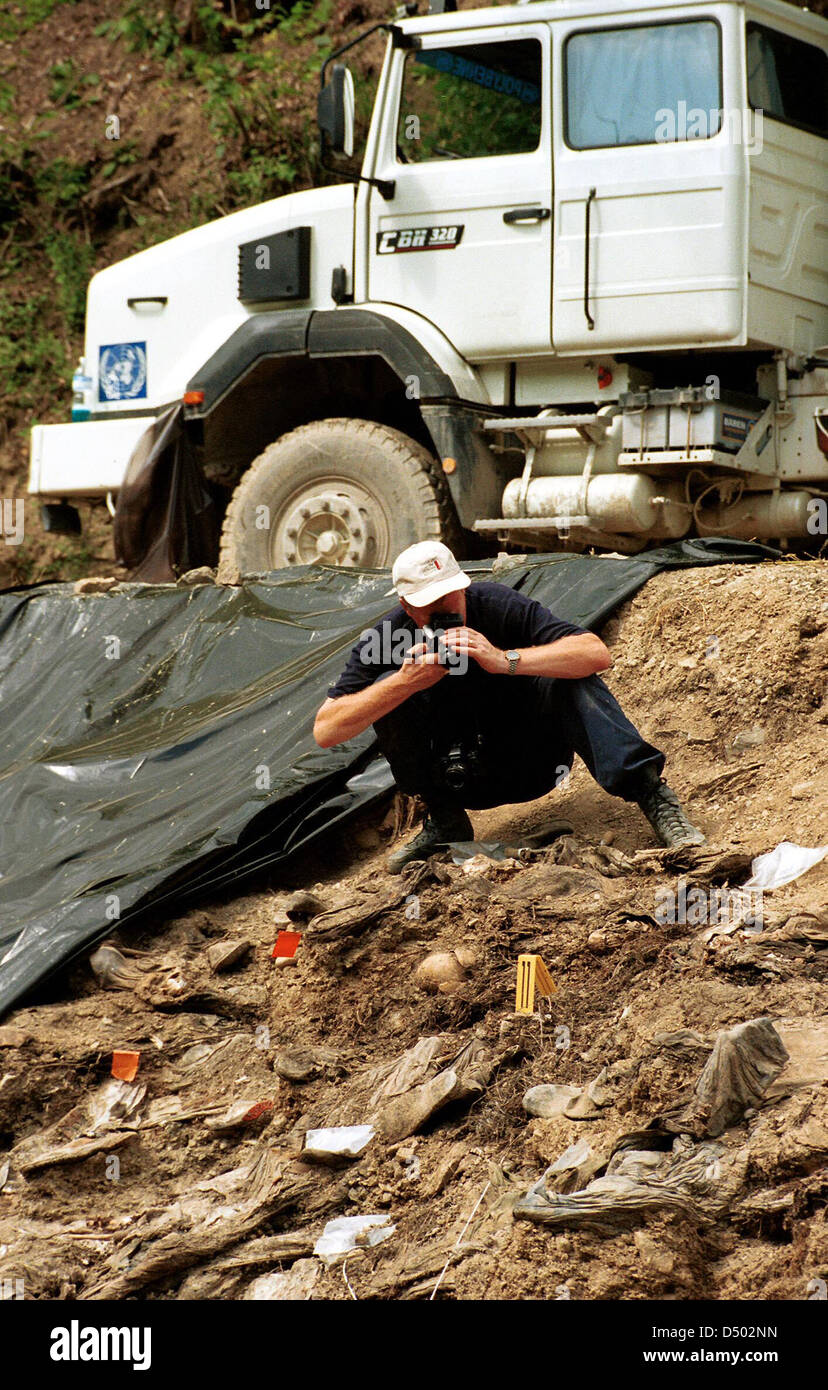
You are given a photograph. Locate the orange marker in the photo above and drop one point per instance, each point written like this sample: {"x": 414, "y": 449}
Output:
{"x": 287, "y": 943}
{"x": 125, "y": 1065}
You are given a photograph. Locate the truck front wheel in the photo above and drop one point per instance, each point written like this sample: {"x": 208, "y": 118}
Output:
{"x": 345, "y": 492}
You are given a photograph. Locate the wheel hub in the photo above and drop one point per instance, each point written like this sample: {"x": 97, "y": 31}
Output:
{"x": 333, "y": 526}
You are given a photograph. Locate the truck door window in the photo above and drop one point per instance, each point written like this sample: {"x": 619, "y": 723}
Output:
{"x": 470, "y": 101}
{"x": 643, "y": 84}
{"x": 787, "y": 79}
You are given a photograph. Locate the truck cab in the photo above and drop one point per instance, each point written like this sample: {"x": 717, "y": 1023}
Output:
{"x": 572, "y": 297}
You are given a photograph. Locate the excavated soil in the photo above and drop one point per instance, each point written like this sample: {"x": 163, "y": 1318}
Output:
{"x": 195, "y": 1186}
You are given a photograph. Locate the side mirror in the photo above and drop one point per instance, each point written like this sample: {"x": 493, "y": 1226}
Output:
{"x": 335, "y": 111}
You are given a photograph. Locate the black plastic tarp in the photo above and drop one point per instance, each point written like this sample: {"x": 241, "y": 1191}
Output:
{"x": 156, "y": 740}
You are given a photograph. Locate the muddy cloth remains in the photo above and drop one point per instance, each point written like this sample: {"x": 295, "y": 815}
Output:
{"x": 156, "y": 739}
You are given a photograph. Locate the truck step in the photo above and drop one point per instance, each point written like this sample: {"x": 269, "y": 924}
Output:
{"x": 551, "y": 422}
{"x": 534, "y": 523}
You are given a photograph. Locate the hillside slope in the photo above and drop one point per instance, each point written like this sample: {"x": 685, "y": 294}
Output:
{"x": 215, "y": 105}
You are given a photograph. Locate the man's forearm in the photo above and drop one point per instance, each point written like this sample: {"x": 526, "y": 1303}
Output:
{"x": 348, "y": 715}
{"x": 570, "y": 658}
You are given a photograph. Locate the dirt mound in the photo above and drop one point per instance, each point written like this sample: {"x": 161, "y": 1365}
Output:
{"x": 189, "y": 1181}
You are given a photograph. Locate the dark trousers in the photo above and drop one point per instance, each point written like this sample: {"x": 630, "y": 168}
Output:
{"x": 528, "y": 737}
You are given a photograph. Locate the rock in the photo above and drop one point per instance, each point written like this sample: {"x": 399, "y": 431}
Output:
{"x": 228, "y": 573}
{"x": 95, "y": 584}
{"x": 444, "y": 1172}
{"x": 295, "y": 1285}
{"x": 246, "y": 996}
{"x": 466, "y": 957}
{"x": 202, "y": 575}
{"x": 439, "y": 968}
{"x": 295, "y": 1064}
{"x": 654, "y": 1254}
{"x": 225, "y": 954}
{"x": 14, "y": 1037}
{"x": 503, "y": 562}
{"x": 801, "y": 791}
{"x": 302, "y": 905}
{"x": 546, "y": 1101}
{"x": 597, "y": 940}
{"x": 749, "y": 738}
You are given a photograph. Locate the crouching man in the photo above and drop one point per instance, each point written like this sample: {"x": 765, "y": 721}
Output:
{"x": 480, "y": 697}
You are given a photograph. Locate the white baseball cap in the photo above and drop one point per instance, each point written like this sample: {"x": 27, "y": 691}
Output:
{"x": 425, "y": 572}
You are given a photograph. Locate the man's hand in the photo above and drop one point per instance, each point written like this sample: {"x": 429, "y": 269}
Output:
{"x": 345, "y": 716}
{"x": 473, "y": 644}
{"x": 421, "y": 668}
{"x": 582, "y": 654}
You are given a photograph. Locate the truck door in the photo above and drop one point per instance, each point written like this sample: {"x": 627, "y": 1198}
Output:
{"x": 650, "y": 183}
{"x": 465, "y": 240}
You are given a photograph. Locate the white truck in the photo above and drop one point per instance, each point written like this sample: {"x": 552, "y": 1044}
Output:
{"x": 573, "y": 296}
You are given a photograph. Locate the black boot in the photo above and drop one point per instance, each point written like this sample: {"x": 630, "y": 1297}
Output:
{"x": 662, "y": 808}
{"x": 439, "y": 828}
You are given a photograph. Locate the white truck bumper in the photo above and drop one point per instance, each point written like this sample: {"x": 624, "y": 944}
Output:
{"x": 84, "y": 459}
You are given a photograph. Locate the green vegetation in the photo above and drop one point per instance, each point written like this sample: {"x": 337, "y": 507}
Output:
{"x": 71, "y": 260}
{"x": 253, "y": 73}
{"x": 45, "y": 269}
{"x": 124, "y": 153}
{"x": 17, "y": 19}
{"x": 70, "y": 87}
{"x": 244, "y": 83}
{"x": 35, "y": 352}
{"x": 71, "y": 558}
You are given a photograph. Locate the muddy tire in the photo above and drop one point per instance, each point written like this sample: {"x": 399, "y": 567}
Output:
{"x": 342, "y": 492}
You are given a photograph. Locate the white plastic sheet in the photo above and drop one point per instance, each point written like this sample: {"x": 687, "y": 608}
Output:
{"x": 344, "y": 1141}
{"x": 344, "y": 1233}
{"x": 783, "y": 864}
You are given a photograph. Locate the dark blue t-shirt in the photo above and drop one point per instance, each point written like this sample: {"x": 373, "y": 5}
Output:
{"x": 506, "y": 617}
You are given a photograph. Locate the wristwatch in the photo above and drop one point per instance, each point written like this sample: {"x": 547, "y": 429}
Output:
{"x": 513, "y": 658}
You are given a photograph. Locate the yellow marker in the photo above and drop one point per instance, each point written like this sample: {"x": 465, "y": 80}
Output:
{"x": 532, "y": 977}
